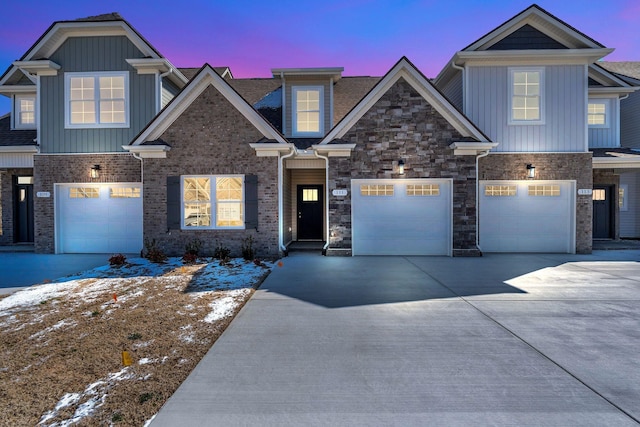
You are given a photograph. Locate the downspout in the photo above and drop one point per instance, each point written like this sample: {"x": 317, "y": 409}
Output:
{"x": 464, "y": 85}
{"x": 283, "y": 248}
{"x": 478, "y": 157}
{"x": 326, "y": 198}
{"x": 160, "y": 77}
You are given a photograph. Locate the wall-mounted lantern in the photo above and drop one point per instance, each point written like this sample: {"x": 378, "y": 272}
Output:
{"x": 531, "y": 171}
{"x": 401, "y": 167}
{"x": 95, "y": 171}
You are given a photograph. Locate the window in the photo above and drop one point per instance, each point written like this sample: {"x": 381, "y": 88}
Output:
{"x": 309, "y": 194}
{"x": 97, "y": 100}
{"x": 308, "y": 103}
{"x": 25, "y": 112}
{"x": 376, "y": 190}
{"x": 211, "y": 202}
{"x": 124, "y": 193}
{"x": 599, "y": 194}
{"x": 623, "y": 190}
{"x": 423, "y": 190}
{"x": 544, "y": 190}
{"x": 499, "y": 190}
{"x": 598, "y": 113}
{"x": 84, "y": 193}
{"x": 526, "y": 101}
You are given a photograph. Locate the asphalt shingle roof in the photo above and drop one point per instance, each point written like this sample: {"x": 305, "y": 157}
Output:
{"x": 627, "y": 68}
{"x": 10, "y": 137}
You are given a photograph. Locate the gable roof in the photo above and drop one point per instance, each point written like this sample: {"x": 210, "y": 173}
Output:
{"x": 606, "y": 81}
{"x": 406, "y": 70}
{"x": 15, "y": 138}
{"x": 625, "y": 68}
{"x": 111, "y": 24}
{"x": 204, "y": 78}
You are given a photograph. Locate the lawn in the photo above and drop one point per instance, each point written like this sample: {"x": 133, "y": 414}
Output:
{"x": 64, "y": 345}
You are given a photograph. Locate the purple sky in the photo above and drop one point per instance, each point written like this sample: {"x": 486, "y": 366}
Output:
{"x": 366, "y": 37}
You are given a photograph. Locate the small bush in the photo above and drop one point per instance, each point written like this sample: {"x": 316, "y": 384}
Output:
{"x": 193, "y": 247}
{"x": 189, "y": 258}
{"x": 145, "y": 397}
{"x": 221, "y": 252}
{"x": 154, "y": 253}
{"x": 117, "y": 260}
{"x": 116, "y": 417}
{"x": 134, "y": 336}
{"x": 247, "y": 249}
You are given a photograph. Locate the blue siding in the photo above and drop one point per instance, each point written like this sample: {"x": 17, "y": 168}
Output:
{"x": 606, "y": 137}
{"x": 453, "y": 90}
{"x": 564, "y": 128}
{"x": 630, "y": 121}
{"x": 94, "y": 54}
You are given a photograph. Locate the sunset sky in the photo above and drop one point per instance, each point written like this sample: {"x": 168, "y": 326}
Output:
{"x": 365, "y": 37}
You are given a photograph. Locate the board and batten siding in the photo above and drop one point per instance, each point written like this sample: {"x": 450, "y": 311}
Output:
{"x": 297, "y": 82}
{"x": 169, "y": 91}
{"x": 453, "y": 90}
{"x": 630, "y": 218}
{"x": 564, "y": 128}
{"x": 606, "y": 137}
{"x": 94, "y": 54}
{"x": 630, "y": 120}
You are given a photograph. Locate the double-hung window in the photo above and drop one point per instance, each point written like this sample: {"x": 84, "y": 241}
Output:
{"x": 212, "y": 202}
{"x": 598, "y": 113}
{"x": 95, "y": 100}
{"x": 24, "y": 109}
{"x": 526, "y": 100}
{"x": 308, "y": 117}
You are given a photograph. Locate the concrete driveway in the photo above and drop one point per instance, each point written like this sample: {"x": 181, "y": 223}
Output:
{"x": 522, "y": 340}
{"x": 20, "y": 269}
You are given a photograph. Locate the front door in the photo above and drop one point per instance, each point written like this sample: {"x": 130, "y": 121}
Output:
{"x": 309, "y": 212}
{"x": 602, "y": 212}
{"x": 23, "y": 209}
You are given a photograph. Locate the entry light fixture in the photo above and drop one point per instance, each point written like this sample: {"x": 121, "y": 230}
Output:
{"x": 95, "y": 171}
{"x": 401, "y": 167}
{"x": 531, "y": 171}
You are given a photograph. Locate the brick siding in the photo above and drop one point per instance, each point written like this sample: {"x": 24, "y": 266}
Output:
{"x": 6, "y": 203}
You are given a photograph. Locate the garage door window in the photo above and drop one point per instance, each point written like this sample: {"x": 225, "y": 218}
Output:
{"x": 376, "y": 189}
{"x": 84, "y": 193}
{"x": 423, "y": 190}
{"x": 124, "y": 193}
{"x": 221, "y": 196}
{"x": 544, "y": 190}
{"x": 499, "y": 190}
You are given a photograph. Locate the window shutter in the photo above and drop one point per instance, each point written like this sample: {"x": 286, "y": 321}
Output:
{"x": 251, "y": 201}
{"x": 173, "y": 203}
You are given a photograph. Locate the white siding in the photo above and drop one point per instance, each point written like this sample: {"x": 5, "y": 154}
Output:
{"x": 629, "y": 219}
{"x": 16, "y": 160}
{"x": 630, "y": 121}
{"x": 564, "y": 128}
{"x": 606, "y": 137}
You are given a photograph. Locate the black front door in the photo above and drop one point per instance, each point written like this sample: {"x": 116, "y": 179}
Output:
{"x": 603, "y": 212}
{"x": 23, "y": 212}
{"x": 309, "y": 212}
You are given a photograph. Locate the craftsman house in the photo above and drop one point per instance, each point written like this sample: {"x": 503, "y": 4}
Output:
{"x": 499, "y": 153}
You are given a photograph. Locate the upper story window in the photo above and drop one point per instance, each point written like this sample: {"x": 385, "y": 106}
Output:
{"x": 211, "y": 201}
{"x": 24, "y": 112}
{"x": 94, "y": 100}
{"x": 526, "y": 100}
{"x": 308, "y": 117}
{"x": 598, "y": 113}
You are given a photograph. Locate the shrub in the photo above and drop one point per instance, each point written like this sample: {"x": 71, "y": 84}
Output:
{"x": 117, "y": 260}
{"x": 247, "y": 249}
{"x": 193, "y": 247}
{"x": 221, "y": 252}
{"x": 189, "y": 258}
{"x": 154, "y": 253}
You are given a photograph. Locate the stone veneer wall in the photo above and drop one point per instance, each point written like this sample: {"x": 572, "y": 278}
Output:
{"x": 403, "y": 125}
{"x": 550, "y": 166}
{"x": 53, "y": 169}
{"x": 211, "y": 138}
{"x": 607, "y": 177}
{"x": 6, "y": 203}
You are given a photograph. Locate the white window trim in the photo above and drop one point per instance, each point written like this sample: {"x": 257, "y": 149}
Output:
{"x": 294, "y": 111}
{"x": 607, "y": 112}
{"x": 512, "y": 71}
{"x": 97, "y": 125}
{"x": 16, "y": 112}
{"x": 212, "y": 201}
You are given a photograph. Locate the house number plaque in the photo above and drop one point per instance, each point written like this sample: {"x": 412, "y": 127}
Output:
{"x": 339, "y": 192}
{"x": 43, "y": 194}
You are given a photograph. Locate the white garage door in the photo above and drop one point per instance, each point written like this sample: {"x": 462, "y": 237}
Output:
{"x": 527, "y": 216}
{"x": 401, "y": 217}
{"x": 99, "y": 218}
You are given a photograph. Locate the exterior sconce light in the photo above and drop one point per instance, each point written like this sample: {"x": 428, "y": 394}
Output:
{"x": 95, "y": 171}
{"x": 531, "y": 171}
{"x": 401, "y": 167}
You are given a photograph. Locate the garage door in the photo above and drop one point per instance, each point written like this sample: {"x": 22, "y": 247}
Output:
{"x": 527, "y": 216}
{"x": 401, "y": 217}
{"x": 104, "y": 218}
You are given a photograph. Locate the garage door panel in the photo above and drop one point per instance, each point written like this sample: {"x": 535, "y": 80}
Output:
{"x": 523, "y": 222}
{"x": 103, "y": 224}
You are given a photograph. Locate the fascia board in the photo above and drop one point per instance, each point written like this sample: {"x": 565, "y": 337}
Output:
{"x": 615, "y": 162}
{"x": 28, "y": 149}
{"x": 12, "y": 89}
{"x": 532, "y": 56}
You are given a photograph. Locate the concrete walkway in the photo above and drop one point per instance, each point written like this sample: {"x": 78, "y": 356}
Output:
{"x": 21, "y": 269}
{"x": 524, "y": 340}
